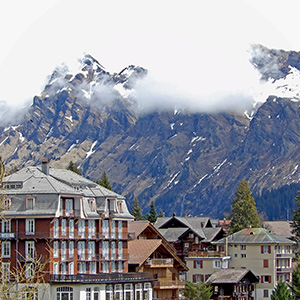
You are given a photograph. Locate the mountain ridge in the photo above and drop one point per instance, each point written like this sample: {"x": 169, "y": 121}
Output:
{"x": 185, "y": 162}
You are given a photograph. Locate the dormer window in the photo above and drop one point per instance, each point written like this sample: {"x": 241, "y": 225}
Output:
{"x": 30, "y": 203}
{"x": 6, "y": 203}
{"x": 69, "y": 207}
{"x": 92, "y": 204}
{"x": 120, "y": 207}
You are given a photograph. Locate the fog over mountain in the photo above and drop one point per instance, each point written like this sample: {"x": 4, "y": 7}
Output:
{"x": 185, "y": 149}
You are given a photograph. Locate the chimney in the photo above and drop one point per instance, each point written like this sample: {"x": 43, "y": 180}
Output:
{"x": 45, "y": 165}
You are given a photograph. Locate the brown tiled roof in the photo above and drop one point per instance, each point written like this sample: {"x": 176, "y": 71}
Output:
{"x": 282, "y": 228}
{"x": 137, "y": 227}
{"x": 140, "y": 250}
{"x": 231, "y": 276}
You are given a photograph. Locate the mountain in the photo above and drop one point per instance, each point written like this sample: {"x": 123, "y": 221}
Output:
{"x": 186, "y": 162}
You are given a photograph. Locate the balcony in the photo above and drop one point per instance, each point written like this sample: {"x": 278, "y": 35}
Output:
{"x": 284, "y": 255}
{"x": 101, "y": 257}
{"x": 169, "y": 284}
{"x": 7, "y": 235}
{"x": 160, "y": 262}
{"x": 101, "y": 278}
{"x": 200, "y": 253}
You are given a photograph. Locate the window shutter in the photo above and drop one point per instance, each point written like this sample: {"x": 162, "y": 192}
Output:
{"x": 262, "y": 249}
{"x": 266, "y": 263}
{"x": 269, "y": 279}
{"x": 269, "y": 249}
{"x": 194, "y": 278}
{"x": 195, "y": 264}
{"x": 201, "y": 264}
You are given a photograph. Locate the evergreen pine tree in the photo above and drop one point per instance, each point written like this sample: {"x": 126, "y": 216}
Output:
{"x": 243, "y": 209}
{"x": 296, "y": 281}
{"x": 281, "y": 292}
{"x": 73, "y": 167}
{"x": 136, "y": 210}
{"x": 296, "y": 219}
{"x": 200, "y": 290}
{"x": 104, "y": 181}
{"x": 152, "y": 216}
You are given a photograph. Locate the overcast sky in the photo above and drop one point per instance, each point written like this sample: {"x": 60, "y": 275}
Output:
{"x": 199, "y": 46}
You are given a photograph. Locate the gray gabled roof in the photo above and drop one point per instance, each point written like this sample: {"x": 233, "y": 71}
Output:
{"x": 232, "y": 276}
{"x": 255, "y": 236}
{"x": 46, "y": 188}
{"x": 172, "y": 234}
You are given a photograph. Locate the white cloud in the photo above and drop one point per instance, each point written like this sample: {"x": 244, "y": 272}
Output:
{"x": 193, "y": 46}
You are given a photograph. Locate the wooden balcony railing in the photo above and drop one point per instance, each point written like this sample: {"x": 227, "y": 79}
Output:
{"x": 160, "y": 262}
{"x": 101, "y": 277}
{"x": 200, "y": 253}
{"x": 169, "y": 284}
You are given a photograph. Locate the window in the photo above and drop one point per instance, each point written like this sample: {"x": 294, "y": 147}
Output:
{"x": 118, "y": 291}
{"x": 81, "y": 228}
{"x": 6, "y": 225}
{"x": 266, "y": 293}
{"x": 113, "y": 229}
{"x": 55, "y": 228}
{"x": 243, "y": 255}
{"x": 120, "y": 207}
{"x": 266, "y": 263}
{"x": 120, "y": 267}
{"x": 64, "y": 268}
{"x": 69, "y": 207}
{"x": 71, "y": 268}
{"x": 5, "y": 272}
{"x": 266, "y": 249}
{"x": 6, "y": 249}
{"x": 128, "y": 291}
{"x": 63, "y": 250}
{"x": 92, "y": 204}
{"x": 93, "y": 267}
{"x": 96, "y": 293}
{"x": 29, "y": 270}
{"x": 266, "y": 279}
{"x": 82, "y": 267}
{"x": 64, "y": 293}
{"x": 138, "y": 291}
{"x": 113, "y": 250}
{"x": 105, "y": 225}
{"x": 81, "y": 250}
{"x": 29, "y": 249}
{"x": 55, "y": 249}
{"x": 105, "y": 249}
{"x": 71, "y": 228}
{"x": 108, "y": 292}
{"x": 243, "y": 247}
{"x": 198, "y": 264}
{"x": 30, "y": 226}
{"x": 88, "y": 293}
{"x": 91, "y": 228}
{"x": 55, "y": 268}
{"x": 31, "y": 294}
{"x": 91, "y": 250}
{"x": 120, "y": 250}
{"x": 217, "y": 264}
{"x": 7, "y": 203}
{"x": 113, "y": 266}
{"x": 105, "y": 267}
{"x": 29, "y": 203}
{"x": 63, "y": 227}
{"x": 120, "y": 229}
{"x": 71, "y": 249}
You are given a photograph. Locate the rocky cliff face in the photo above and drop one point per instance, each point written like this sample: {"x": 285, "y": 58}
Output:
{"x": 186, "y": 163}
